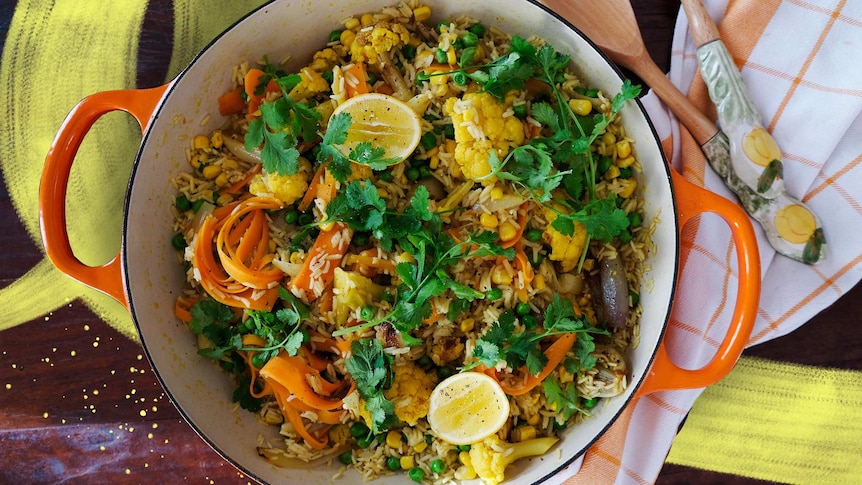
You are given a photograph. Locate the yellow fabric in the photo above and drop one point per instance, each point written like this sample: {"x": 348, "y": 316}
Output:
{"x": 777, "y": 421}
{"x": 39, "y": 87}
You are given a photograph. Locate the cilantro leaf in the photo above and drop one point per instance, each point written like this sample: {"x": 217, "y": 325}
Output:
{"x": 627, "y": 91}
{"x": 370, "y": 368}
{"x": 565, "y": 401}
{"x": 366, "y": 154}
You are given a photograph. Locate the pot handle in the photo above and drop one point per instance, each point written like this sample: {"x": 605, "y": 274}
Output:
{"x": 141, "y": 104}
{"x": 664, "y": 374}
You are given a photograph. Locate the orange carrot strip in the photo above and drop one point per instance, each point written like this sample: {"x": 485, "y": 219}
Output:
{"x": 231, "y": 102}
{"x": 522, "y": 223}
{"x": 362, "y": 262}
{"x": 324, "y": 256}
{"x": 357, "y": 70}
{"x": 182, "y": 308}
{"x": 311, "y": 192}
{"x": 252, "y": 340}
{"x": 291, "y": 373}
{"x": 252, "y": 81}
{"x": 384, "y": 88}
{"x": 523, "y": 264}
{"x": 555, "y": 353}
{"x": 292, "y": 415}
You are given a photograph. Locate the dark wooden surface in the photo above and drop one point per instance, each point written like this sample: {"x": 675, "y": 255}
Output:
{"x": 80, "y": 404}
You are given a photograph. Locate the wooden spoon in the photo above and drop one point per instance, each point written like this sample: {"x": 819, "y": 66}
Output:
{"x": 612, "y": 25}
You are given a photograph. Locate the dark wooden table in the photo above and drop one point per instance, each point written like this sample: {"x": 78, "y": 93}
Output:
{"x": 79, "y": 402}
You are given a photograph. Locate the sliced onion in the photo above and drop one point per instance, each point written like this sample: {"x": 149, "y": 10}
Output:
{"x": 614, "y": 291}
{"x": 238, "y": 149}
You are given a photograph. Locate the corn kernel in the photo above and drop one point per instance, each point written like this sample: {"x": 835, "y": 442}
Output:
{"x": 347, "y": 37}
{"x": 407, "y": 462}
{"x": 405, "y": 257}
{"x": 366, "y": 19}
{"x": 565, "y": 376}
{"x": 295, "y": 258}
{"x": 221, "y": 180}
{"x": 508, "y": 231}
{"x": 451, "y": 58}
{"x": 217, "y": 139}
{"x": 230, "y": 164}
{"x": 393, "y": 439}
{"x": 434, "y": 162}
{"x": 224, "y": 199}
{"x": 612, "y": 173}
{"x": 609, "y": 138}
{"x": 588, "y": 264}
{"x": 533, "y": 420}
{"x": 421, "y": 14}
{"x": 196, "y": 160}
{"x": 497, "y": 193}
{"x": 201, "y": 142}
{"x": 581, "y": 107}
{"x": 351, "y": 24}
{"x": 211, "y": 171}
{"x": 382, "y": 192}
{"x": 624, "y": 148}
{"x": 450, "y": 146}
{"x": 479, "y": 55}
{"x": 628, "y": 187}
{"x": 467, "y": 324}
{"x": 523, "y": 433}
{"x": 489, "y": 221}
{"x": 464, "y": 458}
{"x": 420, "y": 446}
{"x": 500, "y": 276}
{"x": 539, "y": 282}
{"x": 327, "y": 226}
{"x": 626, "y": 162}
{"x": 465, "y": 472}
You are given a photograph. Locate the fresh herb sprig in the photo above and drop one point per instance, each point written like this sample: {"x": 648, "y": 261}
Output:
{"x": 370, "y": 368}
{"x": 503, "y": 341}
{"x": 363, "y": 153}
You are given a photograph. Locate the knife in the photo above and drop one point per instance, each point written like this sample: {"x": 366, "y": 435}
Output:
{"x": 744, "y": 153}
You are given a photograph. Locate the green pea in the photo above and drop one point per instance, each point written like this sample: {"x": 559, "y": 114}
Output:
{"x": 444, "y": 372}
{"x": 477, "y": 29}
{"x": 441, "y": 24}
{"x": 291, "y": 216}
{"x": 365, "y": 441}
{"x": 458, "y": 43}
{"x": 460, "y": 78}
{"x": 535, "y": 260}
{"x": 591, "y": 403}
{"x": 393, "y": 463}
{"x": 428, "y": 140}
{"x": 412, "y": 174}
{"x": 625, "y": 173}
{"x": 346, "y": 458}
{"x": 520, "y": 111}
{"x": 385, "y": 176}
{"x": 438, "y": 466}
{"x": 441, "y": 56}
{"x": 424, "y": 172}
{"x": 635, "y": 219}
{"x": 196, "y": 205}
{"x": 534, "y": 235}
{"x": 408, "y": 51}
{"x": 463, "y": 447}
{"x": 529, "y": 322}
{"x": 367, "y": 312}
{"x": 429, "y": 439}
{"x": 358, "y": 429}
{"x": 625, "y": 236}
{"x": 335, "y": 35}
{"x": 304, "y": 219}
{"x": 183, "y": 203}
{"x": 387, "y": 297}
{"x": 604, "y": 164}
{"x": 178, "y": 242}
{"x": 523, "y": 309}
{"x": 424, "y": 361}
{"x": 449, "y": 131}
{"x": 416, "y": 474}
{"x": 470, "y": 39}
{"x": 494, "y": 294}
{"x": 360, "y": 239}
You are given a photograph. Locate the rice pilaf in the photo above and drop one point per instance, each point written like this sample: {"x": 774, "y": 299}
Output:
{"x": 339, "y": 289}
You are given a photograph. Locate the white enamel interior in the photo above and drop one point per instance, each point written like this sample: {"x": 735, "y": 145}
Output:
{"x": 154, "y": 278}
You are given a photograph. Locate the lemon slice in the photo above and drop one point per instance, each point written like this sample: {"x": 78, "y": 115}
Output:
{"x": 467, "y": 407}
{"x": 383, "y": 121}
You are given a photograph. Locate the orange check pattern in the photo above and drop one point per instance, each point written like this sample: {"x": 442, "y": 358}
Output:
{"x": 799, "y": 59}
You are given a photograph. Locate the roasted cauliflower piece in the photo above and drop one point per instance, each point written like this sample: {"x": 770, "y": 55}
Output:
{"x": 482, "y": 123}
{"x": 410, "y": 392}
{"x": 565, "y": 249}
{"x": 374, "y": 45}
{"x": 287, "y": 188}
{"x": 491, "y": 456}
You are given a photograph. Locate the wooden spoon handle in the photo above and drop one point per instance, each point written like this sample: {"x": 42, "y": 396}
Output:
{"x": 703, "y": 28}
{"x": 701, "y": 127}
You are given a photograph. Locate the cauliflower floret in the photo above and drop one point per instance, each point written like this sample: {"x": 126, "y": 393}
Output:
{"x": 379, "y": 39}
{"x": 287, "y": 188}
{"x": 312, "y": 83}
{"x": 410, "y": 392}
{"x": 491, "y": 456}
{"x": 324, "y": 60}
{"x": 482, "y": 124}
{"x": 565, "y": 249}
